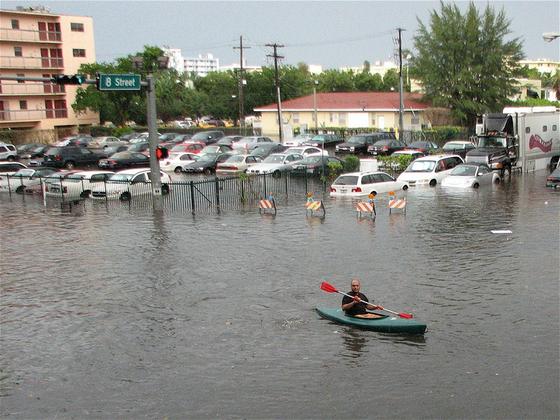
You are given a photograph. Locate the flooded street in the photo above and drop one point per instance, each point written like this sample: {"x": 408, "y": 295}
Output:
{"x": 117, "y": 312}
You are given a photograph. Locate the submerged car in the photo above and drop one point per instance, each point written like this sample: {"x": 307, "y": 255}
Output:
{"x": 318, "y": 165}
{"x": 76, "y": 185}
{"x": 470, "y": 175}
{"x": 275, "y": 164}
{"x": 357, "y": 184}
{"x": 129, "y": 183}
{"x": 24, "y": 178}
{"x": 177, "y": 161}
{"x": 429, "y": 170}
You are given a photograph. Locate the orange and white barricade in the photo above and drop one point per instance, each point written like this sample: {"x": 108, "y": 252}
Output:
{"x": 368, "y": 207}
{"x": 267, "y": 205}
{"x": 314, "y": 205}
{"x": 396, "y": 203}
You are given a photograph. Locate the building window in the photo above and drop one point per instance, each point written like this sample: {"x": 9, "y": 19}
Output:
{"x": 22, "y": 104}
{"x": 76, "y": 27}
{"x": 79, "y": 52}
{"x": 15, "y": 24}
{"x": 295, "y": 117}
{"x": 20, "y": 75}
{"x": 341, "y": 118}
{"x": 332, "y": 117}
{"x": 544, "y": 128}
{"x": 18, "y": 52}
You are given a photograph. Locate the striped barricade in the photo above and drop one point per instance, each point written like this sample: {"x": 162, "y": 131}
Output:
{"x": 397, "y": 203}
{"x": 267, "y": 205}
{"x": 314, "y": 205}
{"x": 366, "y": 207}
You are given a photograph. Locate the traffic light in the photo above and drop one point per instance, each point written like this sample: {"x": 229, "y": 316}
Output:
{"x": 66, "y": 79}
{"x": 162, "y": 153}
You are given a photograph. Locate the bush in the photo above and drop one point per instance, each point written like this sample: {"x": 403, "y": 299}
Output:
{"x": 351, "y": 163}
{"x": 394, "y": 163}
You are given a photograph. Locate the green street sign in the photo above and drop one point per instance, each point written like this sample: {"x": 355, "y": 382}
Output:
{"x": 119, "y": 82}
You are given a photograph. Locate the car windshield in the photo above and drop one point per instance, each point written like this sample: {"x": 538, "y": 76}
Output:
{"x": 346, "y": 180}
{"x": 201, "y": 136}
{"x": 491, "y": 142}
{"x": 356, "y": 140}
{"x": 122, "y": 155}
{"x": 311, "y": 159}
{"x": 53, "y": 151}
{"x": 452, "y": 146}
{"x": 318, "y": 138}
{"x": 207, "y": 158}
{"x": 274, "y": 159}
{"x": 464, "y": 170}
{"x": 25, "y": 172}
{"x": 421, "y": 166}
{"x": 235, "y": 159}
{"x": 121, "y": 177}
{"x": 138, "y": 147}
{"x": 418, "y": 144}
{"x": 382, "y": 143}
{"x": 75, "y": 178}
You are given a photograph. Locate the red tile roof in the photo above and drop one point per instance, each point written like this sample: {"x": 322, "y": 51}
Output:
{"x": 351, "y": 101}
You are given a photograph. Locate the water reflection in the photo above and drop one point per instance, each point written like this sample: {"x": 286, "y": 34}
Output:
{"x": 354, "y": 341}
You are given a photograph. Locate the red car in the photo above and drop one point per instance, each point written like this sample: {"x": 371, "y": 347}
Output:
{"x": 189, "y": 147}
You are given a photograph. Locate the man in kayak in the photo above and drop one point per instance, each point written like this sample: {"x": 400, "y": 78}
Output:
{"x": 357, "y": 305}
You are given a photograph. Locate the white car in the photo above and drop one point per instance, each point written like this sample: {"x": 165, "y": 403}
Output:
{"x": 275, "y": 164}
{"x": 248, "y": 143}
{"x": 7, "y": 168}
{"x": 298, "y": 140}
{"x": 129, "y": 183}
{"x": 429, "y": 170}
{"x": 237, "y": 163}
{"x": 23, "y": 178}
{"x": 177, "y": 161}
{"x": 107, "y": 141}
{"x": 307, "y": 151}
{"x": 76, "y": 185}
{"x": 357, "y": 184}
{"x": 8, "y": 152}
{"x": 470, "y": 175}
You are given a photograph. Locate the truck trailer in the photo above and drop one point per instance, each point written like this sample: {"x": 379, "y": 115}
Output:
{"x": 524, "y": 138}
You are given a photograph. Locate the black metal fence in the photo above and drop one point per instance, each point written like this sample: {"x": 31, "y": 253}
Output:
{"x": 194, "y": 194}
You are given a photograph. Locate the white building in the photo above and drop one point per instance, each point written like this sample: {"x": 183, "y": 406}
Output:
{"x": 202, "y": 65}
{"x": 376, "y": 67}
{"x": 176, "y": 60}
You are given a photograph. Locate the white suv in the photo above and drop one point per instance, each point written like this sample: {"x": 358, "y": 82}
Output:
{"x": 429, "y": 170}
{"x": 8, "y": 152}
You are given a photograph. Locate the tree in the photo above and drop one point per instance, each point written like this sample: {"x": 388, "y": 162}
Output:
{"x": 464, "y": 61}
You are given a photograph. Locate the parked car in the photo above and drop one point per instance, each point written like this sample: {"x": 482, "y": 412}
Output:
{"x": 24, "y": 148}
{"x": 101, "y": 142}
{"x": 470, "y": 175}
{"x": 111, "y": 150}
{"x": 298, "y": 140}
{"x": 356, "y": 184}
{"x": 215, "y": 148}
{"x": 425, "y": 147}
{"x": 275, "y": 164}
{"x": 75, "y": 185}
{"x": 123, "y": 160}
{"x": 324, "y": 140}
{"x": 207, "y": 137}
{"x": 81, "y": 140}
{"x": 176, "y": 161}
{"x": 357, "y": 144}
{"x": 266, "y": 149}
{"x": 317, "y": 165}
{"x": 8, "y": 152}
{"x": 429, "y": 170}
{"x": 69, "y": 157}
{"x": 143, "y": 147}
{"x": 7, "y": 168}
{"x": 553, "y": 180}
{"x": 207, "y": 163}
{"x": 307, "y": 151}
{"x": 35, "y": 152}
{"x": 22, "y": 178}
{"x": 39, "y": 187}
{"x": 229, "y": 140}
{"x": 385, "y": 147}
{"x": 129, "y": 183}
{"x": 189, "y": 146}
{"x": 167, "y": 137}
{"x": 457, "y": 147}
{"x": 237, "y": 163}
{"x": 249, "y": 143}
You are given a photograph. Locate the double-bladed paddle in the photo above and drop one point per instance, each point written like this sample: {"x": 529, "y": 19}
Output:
{"x": 329, "y": 288}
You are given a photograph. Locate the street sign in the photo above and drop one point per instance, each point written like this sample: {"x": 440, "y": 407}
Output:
{"x": 119, "y": 82}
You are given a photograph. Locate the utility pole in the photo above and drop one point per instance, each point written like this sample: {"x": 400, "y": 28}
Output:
{"x": 401, "y": 102}
{"x": 241, "y": 81}
{"x": 277, "y": 82}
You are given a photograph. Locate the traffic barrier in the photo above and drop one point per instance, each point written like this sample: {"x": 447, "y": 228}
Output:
{"x": 314, "y": 205}
{"x": 397, "y": 203}
{"x": 267, "y": 205}
{"x": 366, "y": 207}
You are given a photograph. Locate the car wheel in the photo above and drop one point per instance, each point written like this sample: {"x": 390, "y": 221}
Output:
{"x": 125, "y": 196}
{"x": 178, "y": 170}
{"x": 405, "y": 187}
{"x": 11, "y": 158}
{"x": 20, "y": 189}
{"x": 433, "y": 183}
{"x": 475, "y": 185}
{"x": 85, "y": 194}
{"x": 208, "y": 171}
{"x": 165, "y": 189}
{"x": 276, "y": 174}
{"x": 497, "y": 180}
{"x": 70, "y": 165}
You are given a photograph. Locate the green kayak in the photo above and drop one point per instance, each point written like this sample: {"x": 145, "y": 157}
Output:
{"x": 388, "y": 324}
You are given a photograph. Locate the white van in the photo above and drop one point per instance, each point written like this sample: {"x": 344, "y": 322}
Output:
{"x": 429, "y": 170}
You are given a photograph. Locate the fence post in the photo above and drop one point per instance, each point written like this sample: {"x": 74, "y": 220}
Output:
{"x": 105, "y": 186}
{"x": 217, "y": 187}
{"x": 9, "y": 186}
{"x": 264, "y": 185}
{"x": 61, "y": 191}
{"x": 287, "y": 175}
{"x": 242, "y": 190}
{"x": 192, "y": 196}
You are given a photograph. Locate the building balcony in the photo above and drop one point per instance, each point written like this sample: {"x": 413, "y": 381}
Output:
{"x": 26, "y": 35}
{"x": 30, "y": 89}
{"x": 11, "y": 62}
{"x": 27, "y": 115}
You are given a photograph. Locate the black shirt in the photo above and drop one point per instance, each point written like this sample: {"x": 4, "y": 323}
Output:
{"x": 358, "y": 308}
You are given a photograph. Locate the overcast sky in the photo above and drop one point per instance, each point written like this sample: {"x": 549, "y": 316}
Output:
{"x": 328, "y": 33}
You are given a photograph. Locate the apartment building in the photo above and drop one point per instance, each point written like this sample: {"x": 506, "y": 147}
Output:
{"x": 36, "y": 43}
{"x": 202, "y": 65}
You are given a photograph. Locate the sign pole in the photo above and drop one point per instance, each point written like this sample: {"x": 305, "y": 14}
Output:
{"x": 153, "y": 140}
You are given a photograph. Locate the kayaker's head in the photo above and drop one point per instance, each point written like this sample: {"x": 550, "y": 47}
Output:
{"x": 355, "y": 284}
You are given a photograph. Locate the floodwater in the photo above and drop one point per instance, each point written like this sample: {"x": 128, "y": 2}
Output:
{"x": 117, "y": 312}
